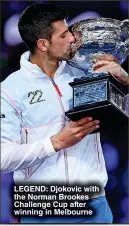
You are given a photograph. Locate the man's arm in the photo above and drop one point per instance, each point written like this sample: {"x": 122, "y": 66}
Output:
{"x": 14, "y": 154}
{"x": 17, "y": 156}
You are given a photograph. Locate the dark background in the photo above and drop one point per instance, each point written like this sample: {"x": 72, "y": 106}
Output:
{"x": 115, "y": 142}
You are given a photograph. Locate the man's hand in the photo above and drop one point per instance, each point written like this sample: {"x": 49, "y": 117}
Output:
{"x": 73, "y": 132}
{"x": 107, "y": 63}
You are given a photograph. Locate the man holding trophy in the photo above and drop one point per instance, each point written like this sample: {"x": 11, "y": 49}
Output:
{"x": 39, "y": 142}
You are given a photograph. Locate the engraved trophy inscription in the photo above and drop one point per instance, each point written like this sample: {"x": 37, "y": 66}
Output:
{"x": 99, "y": 95}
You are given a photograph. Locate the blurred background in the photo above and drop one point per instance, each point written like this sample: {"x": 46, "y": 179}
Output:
{"x": 115, "y": 143}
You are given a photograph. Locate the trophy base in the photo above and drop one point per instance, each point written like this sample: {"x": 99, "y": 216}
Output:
{"x": 109, "y": 115}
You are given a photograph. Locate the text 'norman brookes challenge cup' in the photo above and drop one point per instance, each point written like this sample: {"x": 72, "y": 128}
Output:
{"x": 99, "y": 95}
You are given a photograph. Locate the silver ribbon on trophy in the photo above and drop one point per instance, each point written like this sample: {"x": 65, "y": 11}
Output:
{"x": 99, "y": 95}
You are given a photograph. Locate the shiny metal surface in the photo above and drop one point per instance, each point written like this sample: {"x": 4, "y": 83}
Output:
{"x": 99, "y": 37}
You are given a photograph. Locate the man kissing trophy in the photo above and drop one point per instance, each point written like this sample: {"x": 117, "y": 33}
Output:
{"x": 99, "y": 95}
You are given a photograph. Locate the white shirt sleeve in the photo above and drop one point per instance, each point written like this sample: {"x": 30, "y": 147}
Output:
{"x": 14, "y": 154}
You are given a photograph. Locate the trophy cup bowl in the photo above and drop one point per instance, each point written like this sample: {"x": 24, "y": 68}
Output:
{"x": 99, "y": 95}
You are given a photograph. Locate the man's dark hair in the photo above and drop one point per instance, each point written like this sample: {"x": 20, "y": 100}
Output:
{"x": 36, "y": 21}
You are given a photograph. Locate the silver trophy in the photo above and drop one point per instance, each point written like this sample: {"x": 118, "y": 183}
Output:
{"x": 99, "y": 95}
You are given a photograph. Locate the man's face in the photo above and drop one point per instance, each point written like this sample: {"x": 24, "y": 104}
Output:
{"x": 60, "y": 44}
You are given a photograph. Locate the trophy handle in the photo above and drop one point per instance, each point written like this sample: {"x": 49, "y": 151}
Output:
{"x": 125, "y": 38}
{"x": 124, "y": 23}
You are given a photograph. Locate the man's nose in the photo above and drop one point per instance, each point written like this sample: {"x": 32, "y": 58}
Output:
{"x": 71, "y": 38}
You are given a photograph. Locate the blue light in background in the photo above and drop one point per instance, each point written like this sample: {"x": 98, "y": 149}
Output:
{"x": 111, "y": 156}
{"x": 125, "y": 205}
{"x": 124, "y": 220}
{"x": 111, "y": 182}
{"x": 124, "y": 5}
{"x": 6, "y": 179}
{"x": 125, "y": 181}
{"x": 125, "y": 208}
{"x": 6, "y": 199}
{"x": 6, "y": 204}
{"x": 17, "y": 6}
{"x": 40, "y": 2}
{"x": 11, "y": 33}
{"x": 84, "y": 16}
